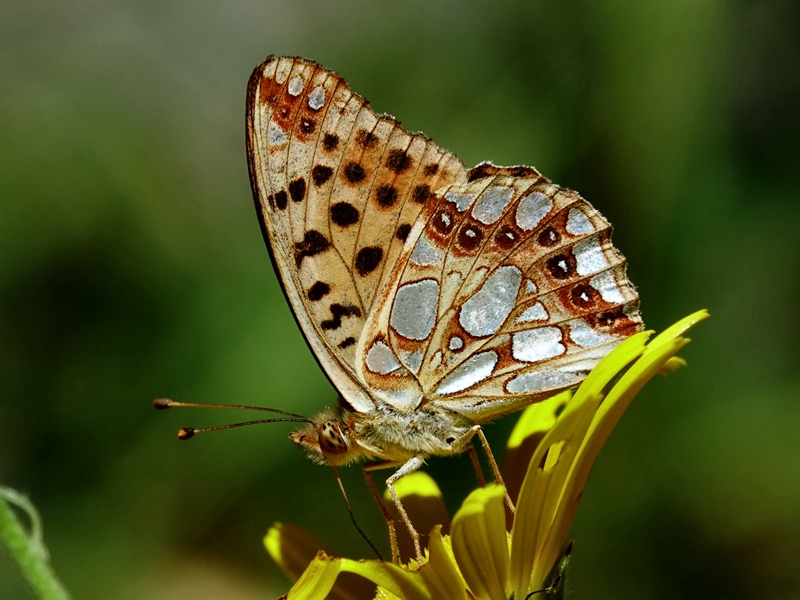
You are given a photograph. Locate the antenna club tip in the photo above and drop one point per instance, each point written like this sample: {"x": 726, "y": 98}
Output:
{"x": 185, "y": 433}
{"x": 162, "y": 403}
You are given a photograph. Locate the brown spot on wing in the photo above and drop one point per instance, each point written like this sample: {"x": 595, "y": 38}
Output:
{"x": 330, "y": 142}
{"x": 398, "y": 160}
{"x": 368, "y": 259}
{"x": 318, "y": 291}
{"x": 313, "y": 243}
{"x": 344, "y": 214}
{"x": 321, "y": 174}
{"x": 386, "y": 195}
{"x": 297, "y": 189}
{"x": 354, "y": 172}
{"x": 338, "y": 311}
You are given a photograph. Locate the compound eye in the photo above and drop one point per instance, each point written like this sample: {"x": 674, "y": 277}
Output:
{"x": 331, "y": 440}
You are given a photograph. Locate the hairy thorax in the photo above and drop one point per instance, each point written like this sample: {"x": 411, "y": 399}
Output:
{"x": 343, "y": 437}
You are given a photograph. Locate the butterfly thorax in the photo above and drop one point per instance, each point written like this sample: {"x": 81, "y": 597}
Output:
{"x": 387, "y": 433}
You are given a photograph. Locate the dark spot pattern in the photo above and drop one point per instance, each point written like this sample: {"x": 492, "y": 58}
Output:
{"x": 320, "y": 174}
{"x": 549, "y": 237}
{"x": 338, "y": 311}
{"x": 443, "y": 222}
{"x": 561, "y": 266}
{"x": 403, "y": 231}
{"x": 330, "y": 142}
{"x": 431, "y": 169}
{"x": 281, "y": 199}
{"x": 344, "y": 214}
{"x": 506, "y": 237}
{"x": 398, "y": 161}
{"x": 615, "y": 321}
{"x": 313, "y": 243}
{"x": 523, "y": 171}
{"x": 297, "y": 189}
{"x": 347, "y": 342}
{"x": 354, "y": 172}
{"x": 584, "y": 296}
{"x": 386, "y": 195}
{"x": 481, "y": 171}
{"x": 368, "y": 259}
{"x": 366, "y": 139}
{"x": 421, "y": 193}
{"x": 307, "y": 126}
{"x": 318, "y": 291}
{"x": 263, "y": 89}
{"x": 469, "y": 237}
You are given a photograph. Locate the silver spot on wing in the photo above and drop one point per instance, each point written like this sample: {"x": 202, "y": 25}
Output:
{"x": 295, "y": 86}
{"x": 316, "y": 99}
{"x": 381, "y": 359}
{"x": 531, "y": 210}
{"x": 474, "y": 370}
{"x": 589, "y": 257}
{"x": 578, "y": 222}
{"x": 533, "y": 345}
{"x": 486, "y": 311}
{"x": 415, "y": 308}
{"x": 491, "y": 203}
{"x": 530, "y": 383}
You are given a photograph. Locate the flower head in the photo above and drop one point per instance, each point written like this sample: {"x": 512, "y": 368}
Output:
{"x": 548, "y": 460}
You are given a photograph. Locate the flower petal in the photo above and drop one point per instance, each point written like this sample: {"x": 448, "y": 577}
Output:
{"x": 321, "y": 574}
{"x": 604, "y": 421}
{"x": 673, "y": 331}
{"x": 441, "y": 576}
{"x": 480, "y": 542}
{"x": 293, "y": 548}
{"x": 534, "y": 422}
{"x": 531, "y": 522}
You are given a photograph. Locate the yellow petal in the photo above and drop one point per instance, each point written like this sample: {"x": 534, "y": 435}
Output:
{"x": 541, "y": 492}
{"x": 652, "y": 361}
{"x": 321, "y": 574}
{"x": 534, "y": 422}
{"x": 673, "y": 331}
{"x": 480, "y": 543}
{"x": 529, "y": 531}
{"x": 293, "y": 548}
{"x": 441, "y": 576}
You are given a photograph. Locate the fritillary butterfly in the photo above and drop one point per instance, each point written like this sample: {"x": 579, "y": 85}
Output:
{"x": 435, "y": 297}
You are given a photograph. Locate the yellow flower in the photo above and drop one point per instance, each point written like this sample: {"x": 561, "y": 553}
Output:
{"x": 487, "y": 556}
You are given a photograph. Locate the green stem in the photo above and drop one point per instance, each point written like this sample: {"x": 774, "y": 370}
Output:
{"x": 27, "y": 551}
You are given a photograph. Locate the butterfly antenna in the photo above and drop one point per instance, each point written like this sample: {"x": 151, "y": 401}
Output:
{"x": 353, "y": 517}
{"x": 164, "y": 403}
{"x": 184, "y": 433}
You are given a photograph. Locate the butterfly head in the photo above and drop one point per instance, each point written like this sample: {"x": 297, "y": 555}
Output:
{"x": 329, "y": 440}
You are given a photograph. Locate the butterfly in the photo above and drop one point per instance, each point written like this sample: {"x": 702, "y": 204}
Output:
{"x": 434, "y": 297}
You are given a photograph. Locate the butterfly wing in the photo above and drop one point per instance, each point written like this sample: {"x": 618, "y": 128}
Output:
{"x": 337, "y": 189}
{"x": 508, "y": 291}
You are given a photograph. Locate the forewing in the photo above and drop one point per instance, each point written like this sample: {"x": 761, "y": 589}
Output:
{"x": 508, "y": 291}
{"x": 337, "y": 190}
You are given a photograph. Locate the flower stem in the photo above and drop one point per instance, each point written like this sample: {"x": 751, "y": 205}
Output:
{"x": 27, "y": 551}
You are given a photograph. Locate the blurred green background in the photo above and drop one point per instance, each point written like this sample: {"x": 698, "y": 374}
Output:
{"x": 132, "y": 267}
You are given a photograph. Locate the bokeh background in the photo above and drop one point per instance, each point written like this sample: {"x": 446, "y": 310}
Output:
{"x": 132, "y": 267}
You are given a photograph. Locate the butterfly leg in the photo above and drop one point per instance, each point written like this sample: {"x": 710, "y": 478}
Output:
{"x": 409, "y": 466}
{"x": 463, "y": 442}
{"x": 493, "y": 463}
{"x": 476, "y": 465}
{"x": 386, "y": 514}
